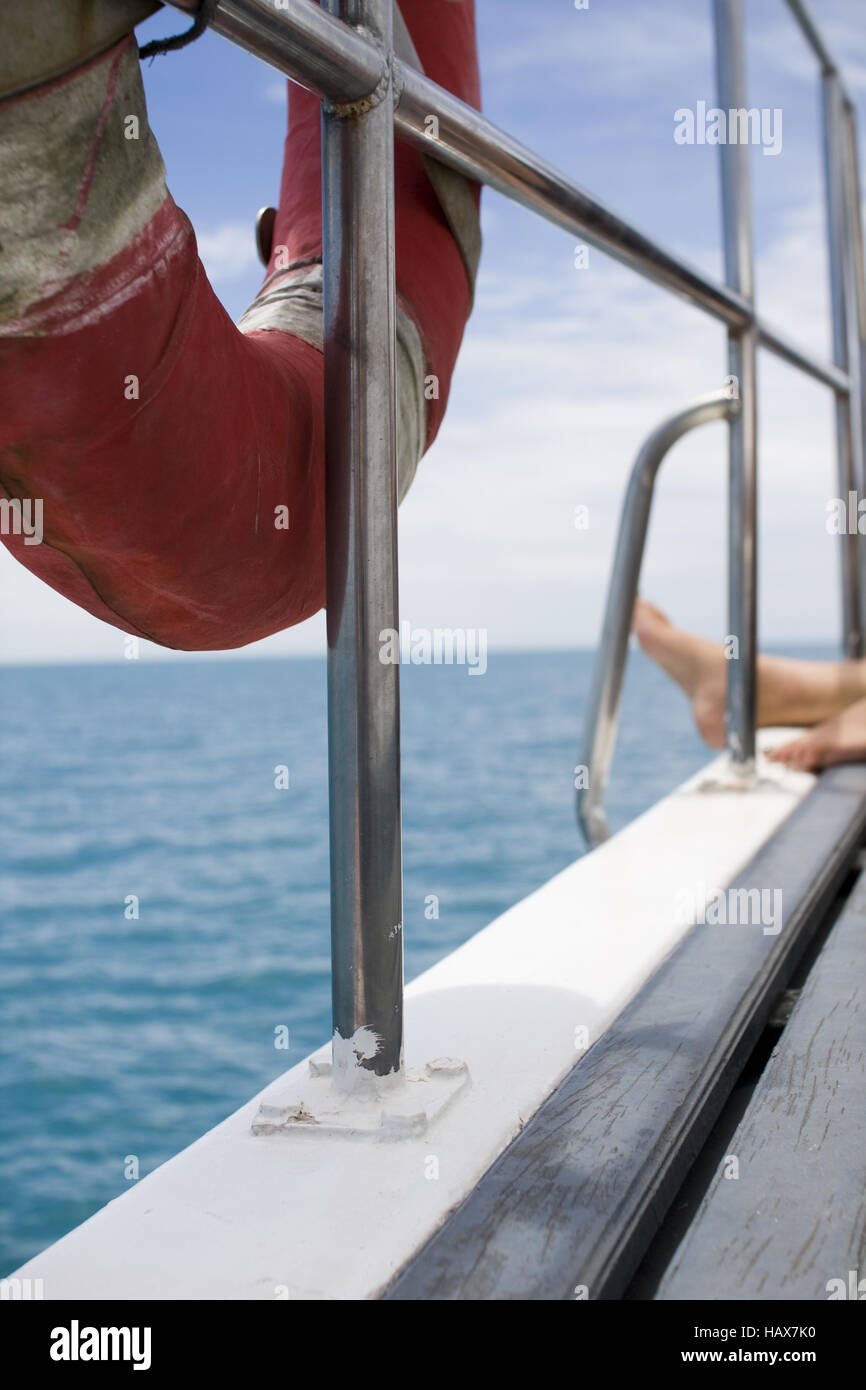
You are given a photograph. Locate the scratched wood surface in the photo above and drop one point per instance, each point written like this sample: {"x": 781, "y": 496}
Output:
{"x": 794, "y": 1219}
{"x": 568, "y": 1209}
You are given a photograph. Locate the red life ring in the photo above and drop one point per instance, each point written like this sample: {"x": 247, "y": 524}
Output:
{"x": 161, "y": 440}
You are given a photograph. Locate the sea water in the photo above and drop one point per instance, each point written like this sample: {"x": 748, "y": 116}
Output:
{"x": 164, "y": 882}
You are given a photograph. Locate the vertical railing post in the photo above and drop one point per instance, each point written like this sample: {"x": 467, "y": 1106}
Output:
{"x": 742, "y": 349}
{"x": 846, "y": 348}
{"x": 363, "y": 693}
{"x": 857, "y": 334}
{"x": 855, "y": 243}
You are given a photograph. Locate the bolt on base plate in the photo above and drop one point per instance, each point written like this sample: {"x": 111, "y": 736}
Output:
{"x": 401, "y": 1109}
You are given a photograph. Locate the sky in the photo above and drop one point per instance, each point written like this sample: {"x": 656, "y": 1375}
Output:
{"x": 563, "y": 371}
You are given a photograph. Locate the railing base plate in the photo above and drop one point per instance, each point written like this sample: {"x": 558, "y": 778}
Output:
{"x": 402, "y": 1108}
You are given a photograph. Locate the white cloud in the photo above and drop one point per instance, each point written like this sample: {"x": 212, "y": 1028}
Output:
{"x": 228, "y": 251}
{"x": 275, "y": 91}
{"x": 641, "y": 38}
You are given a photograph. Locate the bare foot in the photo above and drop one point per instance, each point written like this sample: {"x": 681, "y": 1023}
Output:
{"x": 697, "y": 666}
{"x": 838, "y": 740}
{"x": 789, "y": 692}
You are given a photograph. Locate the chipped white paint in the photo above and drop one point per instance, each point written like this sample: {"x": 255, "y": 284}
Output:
{"x": 349, "y": 1055}
{"x": 241, "y": 1216}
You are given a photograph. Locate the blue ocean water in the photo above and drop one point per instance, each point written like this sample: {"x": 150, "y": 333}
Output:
{"x": 124, "y": 1036}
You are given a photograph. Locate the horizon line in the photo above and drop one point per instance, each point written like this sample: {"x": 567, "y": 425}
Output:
{"x": 205, "y": 658}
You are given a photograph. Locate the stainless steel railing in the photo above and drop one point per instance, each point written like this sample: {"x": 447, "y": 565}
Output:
{"x": 602, "y": 710}
{"x": 342, "y": 52}
{"x": 848, "y": 301}
{"x": 843, "y": 230}
{"x": 742, "y": 354}
{"x": 361, "y": 527}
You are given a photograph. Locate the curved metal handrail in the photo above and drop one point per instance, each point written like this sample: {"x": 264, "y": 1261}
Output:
{"x": 602, "y": 715}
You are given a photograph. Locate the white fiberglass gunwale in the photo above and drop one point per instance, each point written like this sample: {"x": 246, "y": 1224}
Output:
{"x": 311, "y": 1215}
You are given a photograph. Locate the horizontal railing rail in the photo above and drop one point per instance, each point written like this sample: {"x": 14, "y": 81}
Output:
{"x": 469, "y": 142}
